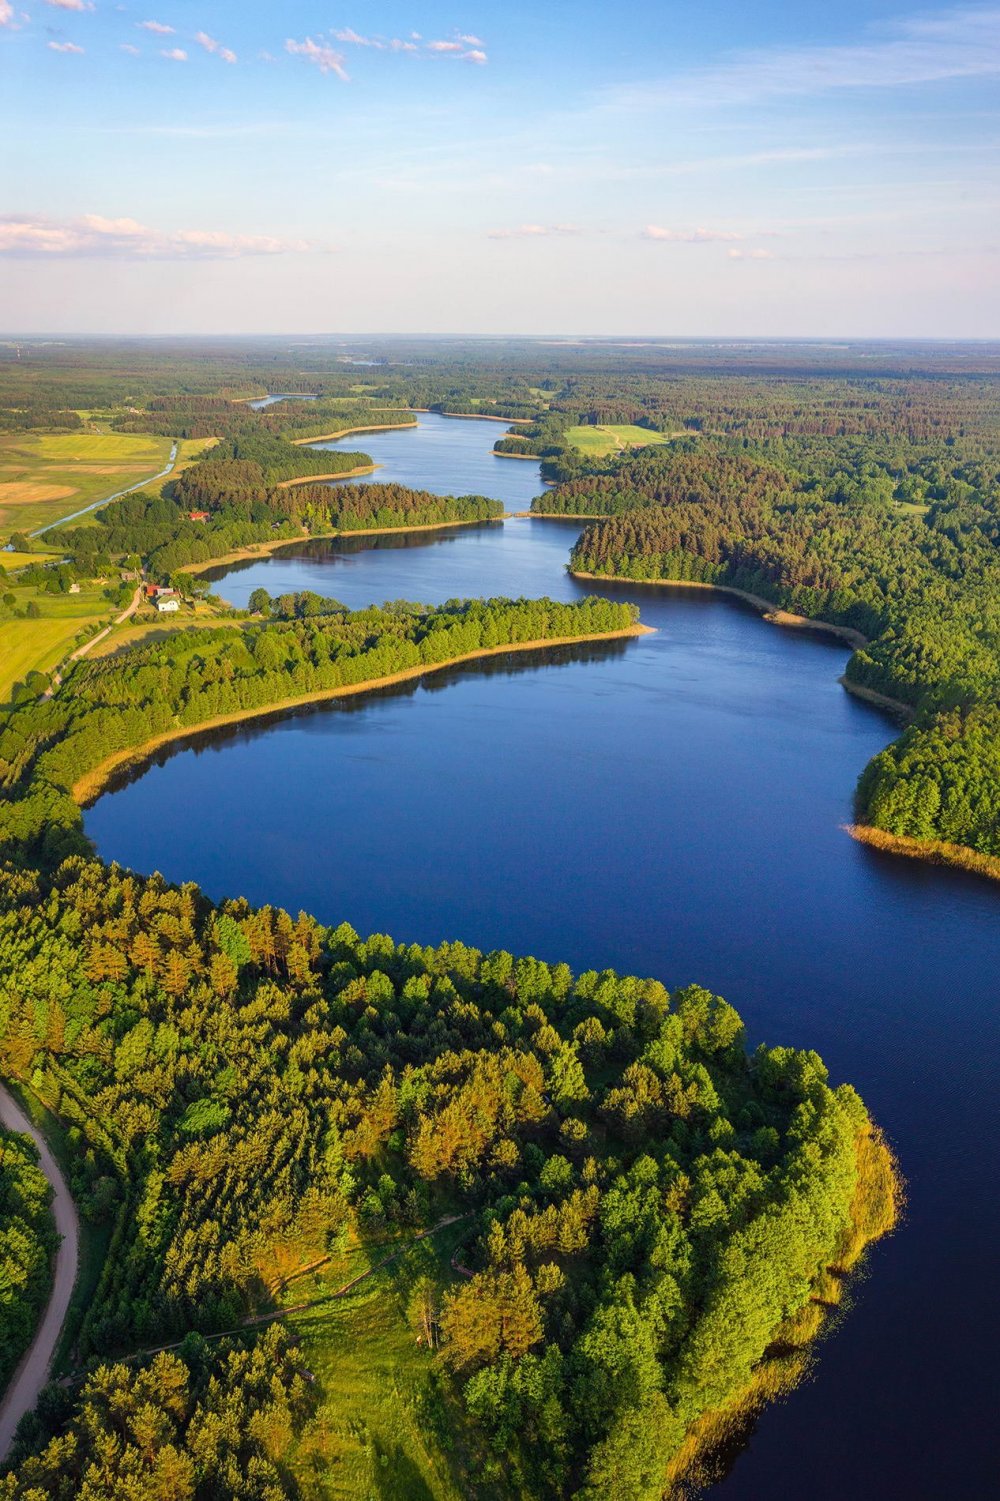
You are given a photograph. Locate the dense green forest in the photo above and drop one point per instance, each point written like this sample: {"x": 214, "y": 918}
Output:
{"x": 909, "y": 561}
{"x": 648, "y": 1207}
{"x": 27, "y": 1241}
{"x": 200, "y": 1424}
{"x": 243, "y": 510}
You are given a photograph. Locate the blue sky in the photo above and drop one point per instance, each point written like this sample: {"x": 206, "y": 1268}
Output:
{"x": 724, "y": 168}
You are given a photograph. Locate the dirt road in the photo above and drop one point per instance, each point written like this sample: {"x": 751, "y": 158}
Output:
{"x": 33, "y": 1372}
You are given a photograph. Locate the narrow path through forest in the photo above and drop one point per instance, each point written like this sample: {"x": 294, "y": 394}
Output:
{"x": 33, "y": 1372}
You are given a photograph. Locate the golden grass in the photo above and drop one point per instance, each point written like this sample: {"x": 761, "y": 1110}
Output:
{"x": 935, "y": 851}
{"x": 11, "y": 561}
{"x": 36, "y": 645}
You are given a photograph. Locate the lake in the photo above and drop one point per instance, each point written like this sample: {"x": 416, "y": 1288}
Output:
{"x": 673, "y": 806}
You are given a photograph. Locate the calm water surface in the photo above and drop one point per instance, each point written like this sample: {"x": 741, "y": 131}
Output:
{"x": 669, "y": 806}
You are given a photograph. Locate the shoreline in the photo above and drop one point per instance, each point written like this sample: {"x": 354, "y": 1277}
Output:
{"x": 931, "y": 851}
{"x": 317, "y": 479}
{"x": 345, "y": 432}
{"x": 715, "y": 1433}
{"x": 771, "y": 612}
{"x": 893, "y": 706}
{"x": 90, "y": 786}
{"x": 263, "y": 549}
{"x": 482, "y": 417}
{"x": 533, "y": 458}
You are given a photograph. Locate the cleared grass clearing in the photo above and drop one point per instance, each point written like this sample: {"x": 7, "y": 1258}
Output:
{"x": 597, "y": 442}
{"x": 384, "y": 1429}
{"x": 150, "y": 626}
{"x": 45, "y": 476}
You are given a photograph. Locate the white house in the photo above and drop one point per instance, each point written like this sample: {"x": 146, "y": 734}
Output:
{"x": 165, "y": 605}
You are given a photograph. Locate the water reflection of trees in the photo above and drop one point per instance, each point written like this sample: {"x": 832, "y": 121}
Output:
{"x": 506, "y": 664}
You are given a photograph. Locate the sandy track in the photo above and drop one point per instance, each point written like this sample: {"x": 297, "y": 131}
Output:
{"x": 33, "y": 1371}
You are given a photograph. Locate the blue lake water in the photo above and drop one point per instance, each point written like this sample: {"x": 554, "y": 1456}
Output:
{"x": 669, "y": 806}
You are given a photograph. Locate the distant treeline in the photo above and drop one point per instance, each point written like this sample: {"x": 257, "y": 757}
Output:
{"x": 244, "y": 510}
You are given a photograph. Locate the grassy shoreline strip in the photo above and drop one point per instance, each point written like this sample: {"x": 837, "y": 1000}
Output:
{"x": 767, "y": 608}
{"x": 92, "y": 784}
{"x": 875, "y": 1213}
{"x": 345, "y": 432}
{"x": 933, "y": 851}
{"x": 315, "y": 479}
{"x": 262, "y": 549}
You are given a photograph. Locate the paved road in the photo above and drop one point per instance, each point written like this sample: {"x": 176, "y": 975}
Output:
{"x": 107, "y": 499}
{"x": 33, "y": 1372}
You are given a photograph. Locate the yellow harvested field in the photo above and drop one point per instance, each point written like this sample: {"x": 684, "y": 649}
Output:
{"x": 21, "y": 492}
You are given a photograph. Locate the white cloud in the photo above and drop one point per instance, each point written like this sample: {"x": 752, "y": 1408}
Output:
{"x": 352, "y": 38}
{"x": 32, "y": 236}
{"x": 6, "y": 13}
{"x": 467, "y": 48}
{"x": 174, "y": 54}
{"x": 70, "y": 4}
{"x": 326, "y": 58}
{"x": 132, "y": 51}
{"x": 958, "y": 43}
{"x": 700, "y": 236}
{"x": 211, "y": 45}
{"x": 533, "y": 231}
{"x": 155, "y": 26}
{"x": 64, "y": 47}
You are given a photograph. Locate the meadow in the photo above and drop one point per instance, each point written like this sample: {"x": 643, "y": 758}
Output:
{"x": 41, "y": 643}
{"x": 46, "y": 476}
{"x": 598, "y": 442}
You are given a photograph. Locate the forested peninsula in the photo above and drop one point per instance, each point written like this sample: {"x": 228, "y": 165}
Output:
{"x": 919, "y": 584}
{"x": 653, "y": 1221}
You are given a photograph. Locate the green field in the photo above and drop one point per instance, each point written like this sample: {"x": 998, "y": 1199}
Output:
{"x": 44, "y": 477}
{"x": 597, "y": 442}
{"x": 40, "y": 645}
{"x": 384, "y": 1428}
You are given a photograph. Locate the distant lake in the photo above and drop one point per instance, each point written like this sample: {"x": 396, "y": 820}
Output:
{"x": 669, "y": 806}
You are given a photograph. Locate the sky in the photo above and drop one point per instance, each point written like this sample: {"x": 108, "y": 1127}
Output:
{"x": 741, "y": 168}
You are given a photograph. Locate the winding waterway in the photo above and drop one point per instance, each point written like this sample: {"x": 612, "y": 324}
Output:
{"x": 669, "y": 806}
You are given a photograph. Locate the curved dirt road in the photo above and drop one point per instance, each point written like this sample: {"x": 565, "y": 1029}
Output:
{"x": 33, "y": 1371}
